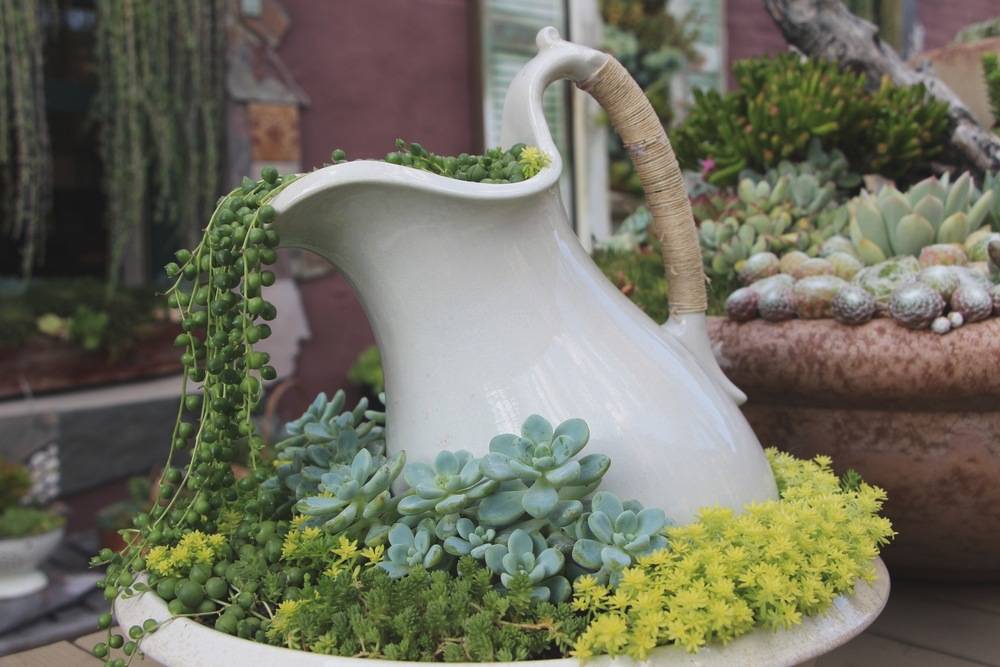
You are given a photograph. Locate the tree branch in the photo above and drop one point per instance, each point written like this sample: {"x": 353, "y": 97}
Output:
{"x": 826, "y": 28}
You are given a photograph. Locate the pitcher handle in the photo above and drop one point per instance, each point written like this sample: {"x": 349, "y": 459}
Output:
{"x": 641, "y": 132}
{"x": 632, "y": 116}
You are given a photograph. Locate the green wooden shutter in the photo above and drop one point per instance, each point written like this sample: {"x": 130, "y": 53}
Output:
{"x": 508, "y": 42}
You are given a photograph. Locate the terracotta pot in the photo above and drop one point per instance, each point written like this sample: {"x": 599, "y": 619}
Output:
{"x": 912, "y": 411}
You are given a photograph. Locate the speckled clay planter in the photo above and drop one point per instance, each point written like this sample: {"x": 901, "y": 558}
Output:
{"x": 914, "y": 412}
{"x": 184, "y": 643}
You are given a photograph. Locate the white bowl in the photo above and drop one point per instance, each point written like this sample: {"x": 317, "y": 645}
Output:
{"x": 19, "y": 561}
{"x": 185, "y": 643}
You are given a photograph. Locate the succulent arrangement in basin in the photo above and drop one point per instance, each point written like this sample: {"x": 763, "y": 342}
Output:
{"x": 335, "y": 545}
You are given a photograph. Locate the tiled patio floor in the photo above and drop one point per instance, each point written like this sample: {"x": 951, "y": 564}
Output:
{"x": 929, "y": 625}
{"x": 924, "y": 625}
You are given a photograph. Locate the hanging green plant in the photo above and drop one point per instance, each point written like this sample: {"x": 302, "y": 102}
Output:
{"x": 25, "y": 159}
{"x": 160, "y": 104}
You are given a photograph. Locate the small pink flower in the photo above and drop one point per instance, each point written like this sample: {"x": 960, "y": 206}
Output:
{"x": 707, "y": 165}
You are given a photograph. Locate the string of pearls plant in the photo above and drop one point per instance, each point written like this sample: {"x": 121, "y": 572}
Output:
{"x": 217, "y": 291}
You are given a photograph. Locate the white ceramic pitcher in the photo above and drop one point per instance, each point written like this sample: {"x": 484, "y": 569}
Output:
{"x": 487, "y": 309}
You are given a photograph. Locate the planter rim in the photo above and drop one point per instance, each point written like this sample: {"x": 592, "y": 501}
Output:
{"x": 185, "y": 643}
{"x": 26, "y": 538}
{"x": 871, "y": 364}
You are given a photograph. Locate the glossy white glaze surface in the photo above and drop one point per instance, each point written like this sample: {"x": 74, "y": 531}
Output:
{"x": 184, "y": 643}
{"x": 20, "y": 559}
{"x": 487, "y": 309}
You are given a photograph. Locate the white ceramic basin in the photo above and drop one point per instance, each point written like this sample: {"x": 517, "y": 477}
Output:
{"x": 19, "y": 561}
{"x": 184, "y": 643}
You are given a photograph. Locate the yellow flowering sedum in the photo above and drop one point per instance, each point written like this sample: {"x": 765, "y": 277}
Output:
{"x": 193, "y": 547}
{"x": 532, "y": 161}
{"x": 312, "y": 546}
{"x": 725, "y": 574}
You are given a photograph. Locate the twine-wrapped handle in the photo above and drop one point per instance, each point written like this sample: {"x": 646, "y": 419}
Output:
{"x": 673, "y": 223}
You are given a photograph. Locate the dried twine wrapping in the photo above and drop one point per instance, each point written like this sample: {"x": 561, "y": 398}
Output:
{"x": 673, "y": 224}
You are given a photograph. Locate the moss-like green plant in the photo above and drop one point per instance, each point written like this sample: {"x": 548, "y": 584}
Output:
{"x": 160, "y": 105}
{"x": 27, "y": 521}
{"x": 366, "y": 371}
{"x": 15, "y": 482}
{"x": 639, "y": 275}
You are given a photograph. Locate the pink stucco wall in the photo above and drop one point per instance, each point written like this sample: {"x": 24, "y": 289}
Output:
{"x": 941, "y": 20}
{"x": 379, "y": 70}
{"x": 751, "y": 31}
{"x": 373, "y": 71}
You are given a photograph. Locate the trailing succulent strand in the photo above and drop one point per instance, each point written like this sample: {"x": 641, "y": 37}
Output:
{"x": 25, "y": 155}
{"x": 217, "y": 291}
{"x": 160, "y": 106}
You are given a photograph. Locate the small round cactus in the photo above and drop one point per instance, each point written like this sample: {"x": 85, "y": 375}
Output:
{"x": 993, "y": 251}
{"x": 814, "y": 296}
{"x": 916, "y": 305}
{"x": 837, "y": 244}
{"x": 758, "y": 266}
{"x": 853, "y": 305}
{"x": 955, "y": 319}
{"x": 777, "y": 304}
{"x": 844, "y": 265}
{"x": 742, "y": 305}
{"x": 941, "y": 325}
{"x": 883, "y": 279}
{"x": 973, "y": 302}
{"x": 814, "y": 266}
{"x": 782, "y": 280}
{"x": 944, "y": 279}
{"x": 943, "y": 254}
{"x": 791, "y": 260}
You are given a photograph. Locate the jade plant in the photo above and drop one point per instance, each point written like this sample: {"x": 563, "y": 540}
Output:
{"x": 781, "y": 104}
